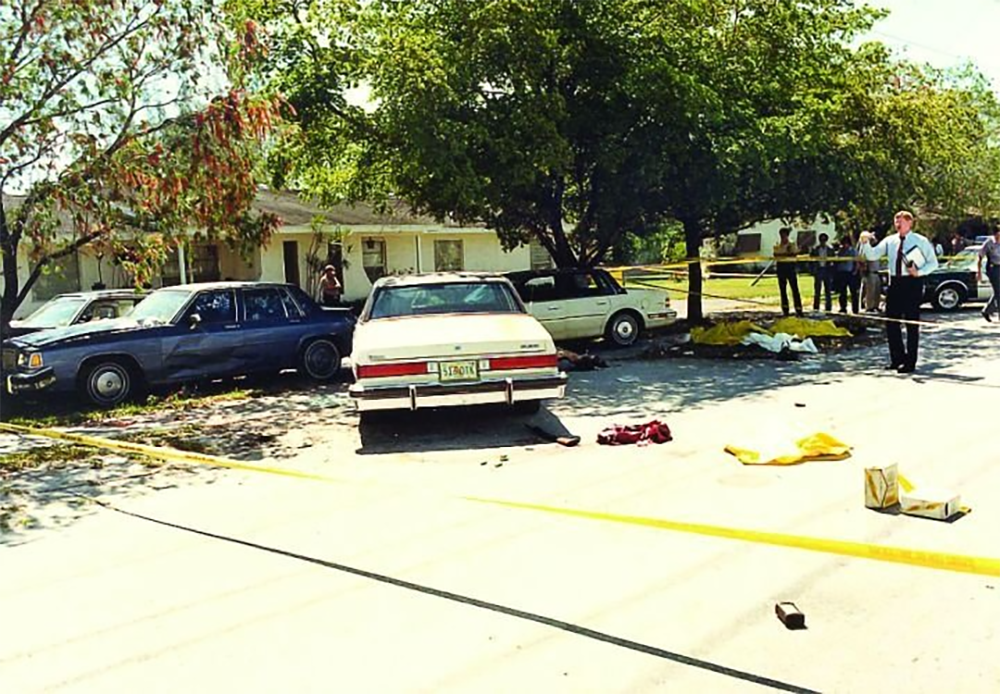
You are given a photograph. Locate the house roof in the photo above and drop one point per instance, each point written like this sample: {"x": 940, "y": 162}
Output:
{"x": 297, "y": 213}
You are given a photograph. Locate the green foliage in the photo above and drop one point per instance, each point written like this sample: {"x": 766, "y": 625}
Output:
{"x": 119, "y": 128}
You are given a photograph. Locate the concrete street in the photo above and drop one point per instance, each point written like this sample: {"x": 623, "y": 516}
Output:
{"x": 388, "y": 578}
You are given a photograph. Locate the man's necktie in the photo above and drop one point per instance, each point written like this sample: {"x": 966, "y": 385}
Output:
{"x": 899, "y": 259}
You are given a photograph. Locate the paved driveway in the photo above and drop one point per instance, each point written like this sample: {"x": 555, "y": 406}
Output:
{"x": 393, "y": 575}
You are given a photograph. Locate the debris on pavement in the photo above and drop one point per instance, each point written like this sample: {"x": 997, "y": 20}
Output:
{"x": 779, "y": 342}
{"x": 818, "y": 446}
{"x": 930, "y": 502}
{"x": 882, "y": 486}
{"x": 653, "y": 431}
{"x": 568, "y": 440}
{"x": 572, "y": 361}
{"x": 790, "y": 615}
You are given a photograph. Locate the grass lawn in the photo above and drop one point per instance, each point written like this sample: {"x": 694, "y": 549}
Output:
{"x": 765, "y": 290}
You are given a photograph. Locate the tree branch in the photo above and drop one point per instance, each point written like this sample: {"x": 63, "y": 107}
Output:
{"x": 36, "y": 272}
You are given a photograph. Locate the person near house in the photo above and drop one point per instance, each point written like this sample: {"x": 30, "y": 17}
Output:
{"x": 871, "y": 281}
{"x": 955, "y": 244}
{"x": 328, "y": 290}
{"x": 784, "y": 257}
{"x": 823, "y": 279}
{"x": 991, "y": 253}
{"x": 911, "y": 257}
{"x": 846, "y": 273}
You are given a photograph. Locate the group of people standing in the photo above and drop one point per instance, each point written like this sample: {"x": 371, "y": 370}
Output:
{"x": 851, "y": 269}
{"x": 843, "y": 270}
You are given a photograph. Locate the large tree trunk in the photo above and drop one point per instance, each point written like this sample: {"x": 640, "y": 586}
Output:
{"x": 8, "y": 251}
{"x": 692, "y": 244}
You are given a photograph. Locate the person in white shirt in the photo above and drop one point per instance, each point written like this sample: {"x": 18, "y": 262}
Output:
{"x": 911, "y": 257}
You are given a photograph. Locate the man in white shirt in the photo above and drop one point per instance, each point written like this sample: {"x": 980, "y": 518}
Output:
{"x": 911, "y": 257}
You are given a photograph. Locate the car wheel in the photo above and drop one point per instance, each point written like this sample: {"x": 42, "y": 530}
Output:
{"x": 948, "y": 298}
{"x": 108, "y": 383}
{"x": 623, "y": 329}
{"x": 320, "y": 360}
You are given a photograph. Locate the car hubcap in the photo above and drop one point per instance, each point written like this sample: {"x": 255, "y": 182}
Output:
{"x": 625, "y": 330}
{"x": 319, "y": 360}
{"x": 109, "y": 384}
{"x": 949, "y": 298}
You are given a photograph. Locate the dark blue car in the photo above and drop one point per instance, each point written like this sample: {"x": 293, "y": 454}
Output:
{"x": 182, "y": 334}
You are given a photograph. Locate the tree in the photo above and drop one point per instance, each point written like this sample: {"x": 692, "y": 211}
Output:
{"x": 116, "y": 116}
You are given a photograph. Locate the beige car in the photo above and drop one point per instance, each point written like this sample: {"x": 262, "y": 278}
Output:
{"x": 581, "y": 304}
{"x": 447, "y": 339}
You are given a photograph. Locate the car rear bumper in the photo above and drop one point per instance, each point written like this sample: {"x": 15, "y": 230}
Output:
{"x": 30, "y": 382}
{"x": 412, "y": 397}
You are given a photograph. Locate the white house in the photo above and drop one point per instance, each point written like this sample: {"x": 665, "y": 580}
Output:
{"x": 760, "y": 239}
{"x": 363, "y": 244}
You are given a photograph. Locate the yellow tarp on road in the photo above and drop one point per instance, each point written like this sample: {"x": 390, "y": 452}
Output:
{"x": 818, "y": 446}
{"x": 805, "y": 327}
{"x": 725, "y": 333}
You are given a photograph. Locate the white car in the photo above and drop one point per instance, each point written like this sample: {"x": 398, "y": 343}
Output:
{"x": 451, "y": 339}
{"x": 576, "y": 304}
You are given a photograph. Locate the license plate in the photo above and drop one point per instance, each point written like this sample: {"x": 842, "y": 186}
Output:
{"x": 459, "y": 370}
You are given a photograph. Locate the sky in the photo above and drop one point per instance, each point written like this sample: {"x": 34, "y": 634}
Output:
{"x": 944, "y": 33}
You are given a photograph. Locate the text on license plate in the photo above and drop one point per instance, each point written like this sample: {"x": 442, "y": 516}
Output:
{"x": 459, "y": 370}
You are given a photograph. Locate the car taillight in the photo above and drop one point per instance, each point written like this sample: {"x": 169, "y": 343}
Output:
{"x": 544, "y": 361}
{"x": 385, "y": 370}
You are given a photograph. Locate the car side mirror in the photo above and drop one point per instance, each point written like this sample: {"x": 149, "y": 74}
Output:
{"x": 194, "y": 320}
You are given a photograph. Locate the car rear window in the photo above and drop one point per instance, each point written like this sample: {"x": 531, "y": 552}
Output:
{"x": 450, "y": 297}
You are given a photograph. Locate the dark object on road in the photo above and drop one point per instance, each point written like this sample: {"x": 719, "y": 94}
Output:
{"x": 183, "y": 334}
{"x": 76, "y": 308}
{"x": 568, "y": 441}
{"x": 653, "y": 431}
{"x": 571, "y": 361}
{"x": 790, "y": 615}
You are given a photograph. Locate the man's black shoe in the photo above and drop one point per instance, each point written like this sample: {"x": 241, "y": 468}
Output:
{"x": 906, "y": 368}
{"x": 986, "y": 315}
{"x": 892, "y": 367}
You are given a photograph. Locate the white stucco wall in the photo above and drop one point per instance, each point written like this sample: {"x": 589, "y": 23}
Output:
{"x": 769, "y": 232}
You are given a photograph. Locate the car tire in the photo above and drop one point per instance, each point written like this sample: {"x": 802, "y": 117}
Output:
{"x": 527, "y": 406}
{"x": 948, "y": 298}
{"x": 320, "y": 360}
{"x": 623, "y": 329}
{"x": 109, "y": 383}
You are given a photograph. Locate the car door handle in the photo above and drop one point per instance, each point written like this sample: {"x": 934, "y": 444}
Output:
{"x": 230, "y": 327}
{"x": 602, "y": 303}
{"x": 553, "y": 308}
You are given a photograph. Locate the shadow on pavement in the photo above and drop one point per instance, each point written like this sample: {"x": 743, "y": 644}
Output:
{"x": 455, "y": 428}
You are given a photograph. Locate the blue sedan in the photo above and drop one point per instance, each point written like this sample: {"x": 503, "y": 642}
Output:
{"x": 183, "y": 334}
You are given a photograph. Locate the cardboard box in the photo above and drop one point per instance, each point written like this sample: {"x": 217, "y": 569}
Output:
{"x": 930, "y": 502}
{"x": 882, "y": 486}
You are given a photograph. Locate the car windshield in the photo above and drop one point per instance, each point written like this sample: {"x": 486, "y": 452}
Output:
{"x": 965, "y": 260}
{"x": 159, "y": 307}
{"x": 449, "y": 297}
{"x": 56, "y": 313}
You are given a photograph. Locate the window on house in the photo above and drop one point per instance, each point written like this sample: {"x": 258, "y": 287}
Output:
{"x": 449, "y": 256}
{"x": 63, "y": 276}
{"x": 373, "y": 258}
{"x": 805, "y": 240}
{"x": 170, "y": 273}
{"x": 748, "y": 243}
{"x": 205, "y": 263}
{"x": 540, "y": 258}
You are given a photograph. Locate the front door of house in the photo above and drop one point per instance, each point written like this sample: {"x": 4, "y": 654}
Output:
{"x": 290, "y": 251}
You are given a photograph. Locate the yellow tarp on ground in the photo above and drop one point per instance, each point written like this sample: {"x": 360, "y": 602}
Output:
{"x": 725, "y": 333}
{"x": 805, "y": 327}
{"x": 818, "y": 446}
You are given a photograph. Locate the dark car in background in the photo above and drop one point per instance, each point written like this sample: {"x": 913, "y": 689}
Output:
{"x": 78, "y": 307}
{"x": 955, "y": 282}
{"x": 183, "y": 334}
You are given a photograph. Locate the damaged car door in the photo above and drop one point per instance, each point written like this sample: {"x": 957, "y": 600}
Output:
{"x": 210, "y": 339}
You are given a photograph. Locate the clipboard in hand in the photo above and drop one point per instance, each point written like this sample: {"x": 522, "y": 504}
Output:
{"x": 915, "y": 258}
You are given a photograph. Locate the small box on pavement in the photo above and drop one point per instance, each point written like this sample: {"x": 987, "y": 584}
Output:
{"x": 930, "y": 502}
{"x": 882, "y": 486}
{"x": 790, "y": 615}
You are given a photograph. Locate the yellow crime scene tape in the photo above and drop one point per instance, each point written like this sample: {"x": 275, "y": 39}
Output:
{"x": 983, "y": 566}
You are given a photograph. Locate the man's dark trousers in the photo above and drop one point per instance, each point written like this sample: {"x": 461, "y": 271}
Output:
{"x": 786, "y": 276}
{"x": 902, "y": 301}
{"x": 993, "y": 273}
{"x": 823, "y": 282}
